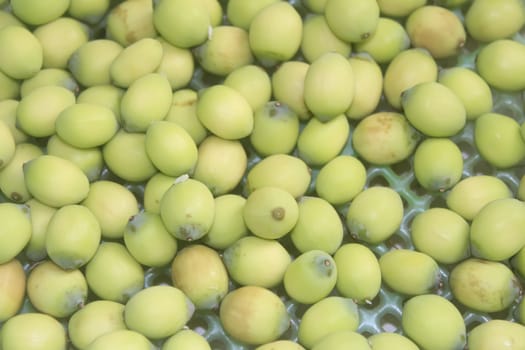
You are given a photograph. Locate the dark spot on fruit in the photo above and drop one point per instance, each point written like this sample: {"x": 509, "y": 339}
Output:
{"x": 278, "y": 213}
{"x": 16, "y": 197}
{"x": 365, "y": 36}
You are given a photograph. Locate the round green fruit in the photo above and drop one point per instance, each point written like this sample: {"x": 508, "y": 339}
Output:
{"x": 253, "y": 315}
{"x": 158, "y": 311}
{"x": 200, "y": 274}
{"x": 270, "y": 212}
{"x": 310, "y": 277}
{"x": 367, "y": 206}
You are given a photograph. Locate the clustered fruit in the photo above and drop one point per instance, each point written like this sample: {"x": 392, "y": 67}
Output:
{"x": 262, "y": 174}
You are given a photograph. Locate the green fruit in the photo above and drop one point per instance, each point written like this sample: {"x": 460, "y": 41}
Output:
{"x": 35, "y": 331}
{"x": 148, "y": 241}
{"x": 225, "y": 112}
{"x": 91, "y": 63}
{"x": 497, "y": 230}
{"x": 228, "y": 223}
{"x": 241, "y": 13}
{"x": 147, "y": 99}
{"x": 329, "y": 86}
{"x": 113, "y": 205}
{"x": 34, "y": 13}
{"x": 155, "y": 188}
{"x": 253, "y": 83}
{"x": 318, "y": 39}
{"x": 55, "y": 291}
{"x": 352, "y": 20}
{"x": 8, "y": 116}
{"x": 199, "y": 272}
{"x": 7, "y": 145}
{"x": 89, "y": 160}
{"x": 496, "y": 334}
{"x": 187, "y": 209}
{"x": 121, "y": 339}
{"x": 358, "y": 272}
{"x": 391, "y": 341}
{"x": 94, "y": 320}
{"x": 332, "y": 134}
{"x": 369, "y": 78}
{"x": 315, "y": 6}
{"x": 438, "y": 164}
{"x": 136, "y": 60}
{"x": 409, "y": 68}
{"x": 318, "y": 226}
{"x": 254, "y": 261}
{"x": 389, "y": 39}
{"x": 498, "y": 139}
{"x": 442, "y": 234}
{"x": 270, "y": 212}
{"x": 49, "y": 76}
{"x": 158, "y": 311}
{"x": 72, "y": 236}
{"x": 186, "y": 339}
{"x": 12, "y": 178}
{"x": 55, "y": 181}
{"x": 472, "y": 193}
{"x": 288, "y": 86}
{"x": 10, "y": 88}
{"x": 103, "y": 95}
{"x": 384, "y": 138}
{"x": 167, "y": 141}
{"x": 280, "y": 170}
{"x": 452, "y": 4}
{"x": 471, "y": 89}
{"x": 8, "y": 18}
{"x": 482, "y": 285}
{"x": 60, "y": 39}
{"x": 86, "y": 125}
{"x": 436, "y": 29}
{"x": 339, "y": 313}
{"x": 130, "y": 21}
{"x": 409, "y": 272}
{"x": 125, "y": 155}
{"x": 489, "y": 20}
{"x": 499, "y": 64}
{"x": 182, "y": 23}
{"x": 275, "y": 33}
{"x": 445, "y": 329}
{"x": 253, "y": 315}
{"x": 35, "y": 250}
{"x": 21, "y": 54}
{"x": 16, "y": 230}
{"x": 38, "y": 112}
{"x": 12, "y": 284}
{"x": 341, "y": 179}
{"x": 310, "y": 277}
{"x": 226, "y": 49}
{"x": 367, "y": 206}
{"x": 90, "y": 11}
{"x": 176, "y": 65}
{"x": 281, "y": 345}
{"x": 434, "y": 109}
{"x": 275, "y": 129}
{"x": 183, "y": 111}
{"x": 395, "y": 8}
{"x": 113, "y": 274}
{"x": 215, "y": 11}
{"x": 216, "y": 153}
{"x": 342, "y": 340}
